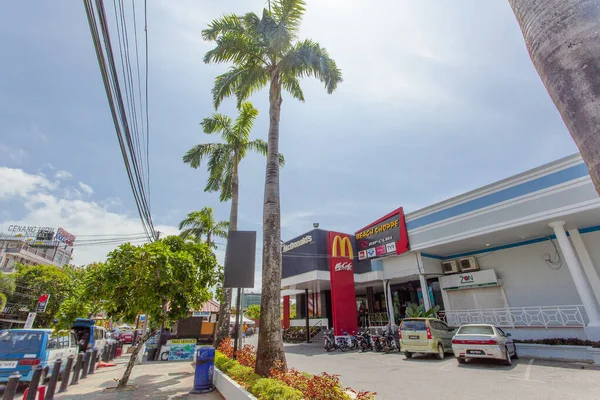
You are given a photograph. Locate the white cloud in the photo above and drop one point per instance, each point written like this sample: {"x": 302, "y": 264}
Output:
{"x": 62, "y": 174}
{"x": 92, "y": 223}
{"x": 16, "y": 182}
{"x": 86, "y": 188}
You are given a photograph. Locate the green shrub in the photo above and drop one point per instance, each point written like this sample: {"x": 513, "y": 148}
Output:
{"x": 273, "y": 389}
{"x": 224, "y": 363}
{"x": 245, "y": 376}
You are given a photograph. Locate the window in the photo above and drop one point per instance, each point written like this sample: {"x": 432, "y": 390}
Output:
{"x": 501, "y": 332}
{"x": 413, "y": 325}
{"x": 444, "y": 326}
{"x": 53, "y": 343}
{"x": 475, "y": 330}
{"x": 73, "y": 340}
{"x": 63, "y": 341}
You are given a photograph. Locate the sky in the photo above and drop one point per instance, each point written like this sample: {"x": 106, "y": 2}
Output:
{"x": 438, "y": 98}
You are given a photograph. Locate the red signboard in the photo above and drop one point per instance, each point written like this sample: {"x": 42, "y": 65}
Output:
{"x": 384, "y": 237}
{"x": 343, "y": 294}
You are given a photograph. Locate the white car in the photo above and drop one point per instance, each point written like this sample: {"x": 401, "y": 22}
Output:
{"x": 483, "y": 341}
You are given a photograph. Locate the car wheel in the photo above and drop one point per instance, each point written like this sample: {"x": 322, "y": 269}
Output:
{"x": 508, "y": 360}
{"x": 164, "y": 356}
{"x": 461, "y": 360}
{"x": 408, "y": 354}
{"x": 515, "y": 355}
{"x": 440, "y": 354}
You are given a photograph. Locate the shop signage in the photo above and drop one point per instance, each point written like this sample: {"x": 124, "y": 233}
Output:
{"x": 29, "y": 322}
{"x": 342, "y": 247}
{"x": 42, "y": 303}
{"x": 341, "y": 275}
{"x": 181, "y": 349}
{"x": 385, "y": 237}
{"x": 65, "y": 237}
{"x": 293, "y": 245}
{"x": 469, "y": 280}
{"x": 201, "y": 314}
{"x": 40, "y": 232}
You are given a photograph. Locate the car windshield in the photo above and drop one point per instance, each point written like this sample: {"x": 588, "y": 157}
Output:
{"x": 20, "y": 342}
{"x": 476, "y": 330}
{"x": 414, "y": 325}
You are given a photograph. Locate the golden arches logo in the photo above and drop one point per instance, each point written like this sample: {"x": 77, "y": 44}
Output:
{"x": 344, "y": 246}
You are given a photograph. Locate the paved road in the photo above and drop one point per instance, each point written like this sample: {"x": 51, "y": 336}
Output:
{"x": 393, "y": 376}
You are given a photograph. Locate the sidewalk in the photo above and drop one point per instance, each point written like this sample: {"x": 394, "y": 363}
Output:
{"x": 153, "y": 380}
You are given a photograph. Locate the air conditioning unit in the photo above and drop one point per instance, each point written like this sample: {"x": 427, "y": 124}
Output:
{"x": 450, "y": 267}
{"x": 468, "y": 264}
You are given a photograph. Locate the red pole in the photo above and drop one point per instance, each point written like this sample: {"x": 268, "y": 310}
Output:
{"x": 286, "y": 312}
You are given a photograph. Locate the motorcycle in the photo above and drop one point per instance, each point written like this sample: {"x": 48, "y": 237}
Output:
{"x": 329, "y": 341}
{"x": 364, "y": 341}
{"x": 388, "y": 341}
{"x": 376, "y": 344}
{"x": 353, "y": 340}
{"x": 342, "y": 342}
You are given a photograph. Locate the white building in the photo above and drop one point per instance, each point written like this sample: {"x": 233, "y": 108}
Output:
{"x": 528, "y": 246}
{"x": 32, "y": 245}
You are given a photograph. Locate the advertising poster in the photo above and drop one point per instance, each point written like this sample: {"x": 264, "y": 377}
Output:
{"x": 181, "y": 349}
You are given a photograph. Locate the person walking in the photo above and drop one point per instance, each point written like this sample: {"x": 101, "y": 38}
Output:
{"x": 244, "y": 329}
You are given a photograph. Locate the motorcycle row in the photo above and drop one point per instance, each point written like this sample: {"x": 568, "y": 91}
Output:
{"x": 385, "y": 340}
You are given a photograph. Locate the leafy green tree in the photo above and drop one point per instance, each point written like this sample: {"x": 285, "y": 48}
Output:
{"x": 164, "y": 280}
{"x": 203, "y": 222}
{"x": 35, "y": 280}
{"x": 223, "y": 164}
{"x": 7, "y": 288}
{"x": 562, "y": 39}
{"x": 82, "y": 301}
{"x": 265, "y": 52}
{"x": 253, "y": 311}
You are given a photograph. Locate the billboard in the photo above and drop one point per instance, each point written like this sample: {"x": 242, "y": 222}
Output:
{"x": 305, "y": 253}
{"x": 343, "y": 293}
{"x": 384, "y": 237}
{"x": 65, "y": 237}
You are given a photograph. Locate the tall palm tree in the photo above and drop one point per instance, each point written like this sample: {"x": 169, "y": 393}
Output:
{"x": 223, "y": 162}
{"x": 564, "y": 45}
{"x": 265, "y": 52}
{"x": 200, "y": 223}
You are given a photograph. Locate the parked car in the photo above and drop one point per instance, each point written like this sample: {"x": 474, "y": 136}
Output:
{"x": 425, "y": 335}
{"x": 89, "y": 335}
{"x": 23, "y": 349}
{"x": 126, "y": 337}
{"x": 483, "y": 341}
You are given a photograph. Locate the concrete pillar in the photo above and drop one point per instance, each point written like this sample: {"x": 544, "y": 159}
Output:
{"x": 587, "y": 297}
{"x": 586, "y": 262}
{"x": 424, "y": 292}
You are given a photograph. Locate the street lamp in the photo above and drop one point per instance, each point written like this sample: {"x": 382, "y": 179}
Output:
{"x": 315, "y": 225}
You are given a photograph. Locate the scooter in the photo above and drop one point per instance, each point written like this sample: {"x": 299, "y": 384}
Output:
{"x": 364, "y": 341}
{"x": 329, "y": 341}
{"x": 353, "y": 340}
{"x": 376, "y": 342}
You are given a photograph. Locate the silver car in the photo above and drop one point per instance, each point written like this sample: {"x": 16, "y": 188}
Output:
{"x": 483, "y": 341}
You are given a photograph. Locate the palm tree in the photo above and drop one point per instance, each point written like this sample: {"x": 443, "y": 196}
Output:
{"x": 265, "y": 52}
{"x": 200, "y": 223}
{"x": 223, "y": 162}
{"x": 562, "y": 39}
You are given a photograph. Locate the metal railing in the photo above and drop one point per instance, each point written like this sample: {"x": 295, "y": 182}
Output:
{"x": 520, "y": 317}
{"x": 377, "y": 319}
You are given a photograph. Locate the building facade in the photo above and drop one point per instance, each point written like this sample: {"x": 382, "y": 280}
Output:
{"x": 249, "y": 299}
{"x": 522, "y": 253}
{"x": 31, "y": 245}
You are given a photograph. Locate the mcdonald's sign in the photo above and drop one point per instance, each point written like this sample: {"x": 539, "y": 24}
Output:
{"x": 341, "y": 247}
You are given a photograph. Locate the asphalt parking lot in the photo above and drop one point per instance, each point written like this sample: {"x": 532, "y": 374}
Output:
{"x": 393, "y": 376}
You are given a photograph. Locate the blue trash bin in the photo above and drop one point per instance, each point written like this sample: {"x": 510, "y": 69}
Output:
{"x": 205, "y": 366}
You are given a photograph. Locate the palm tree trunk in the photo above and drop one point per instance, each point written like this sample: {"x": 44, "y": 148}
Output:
{"x": 563, "y": 39}
{"x": 208, "y": 237}
{"x": 270, "y": 344}
{"x": 225, "y": 307}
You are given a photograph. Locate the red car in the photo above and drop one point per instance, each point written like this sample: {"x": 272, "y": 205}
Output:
{"x": 126, "y": 337}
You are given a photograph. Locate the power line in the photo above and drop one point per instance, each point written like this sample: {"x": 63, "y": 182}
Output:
{"x": 127, "y": 133}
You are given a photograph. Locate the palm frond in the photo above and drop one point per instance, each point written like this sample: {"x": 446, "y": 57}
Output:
{"x": 262, "y": 147}
{"x": 217, "y": 164}
{"x": 240, "y": 80}
{"x": 309, "y": 59}
{"x": 227, "y": 181}
{"x": 245, "y": 121}
{"x": 252, "y": 80}
{"x": 216, "y": 123}
{"x": 221, "y": 229}
{"x": 291, "y": 84}
{"x": 227, "y": 23}
{"x": 196, "y": 154}
{"x": 235, "y": 48}
{"x": 289, "y": 13}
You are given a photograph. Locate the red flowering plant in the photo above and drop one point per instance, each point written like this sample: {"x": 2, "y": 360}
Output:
{"x": 245, "y": 356}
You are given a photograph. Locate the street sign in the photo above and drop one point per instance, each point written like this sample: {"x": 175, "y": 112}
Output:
{"x": 42, "y": 303}
{"x": 30, "y": 319}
